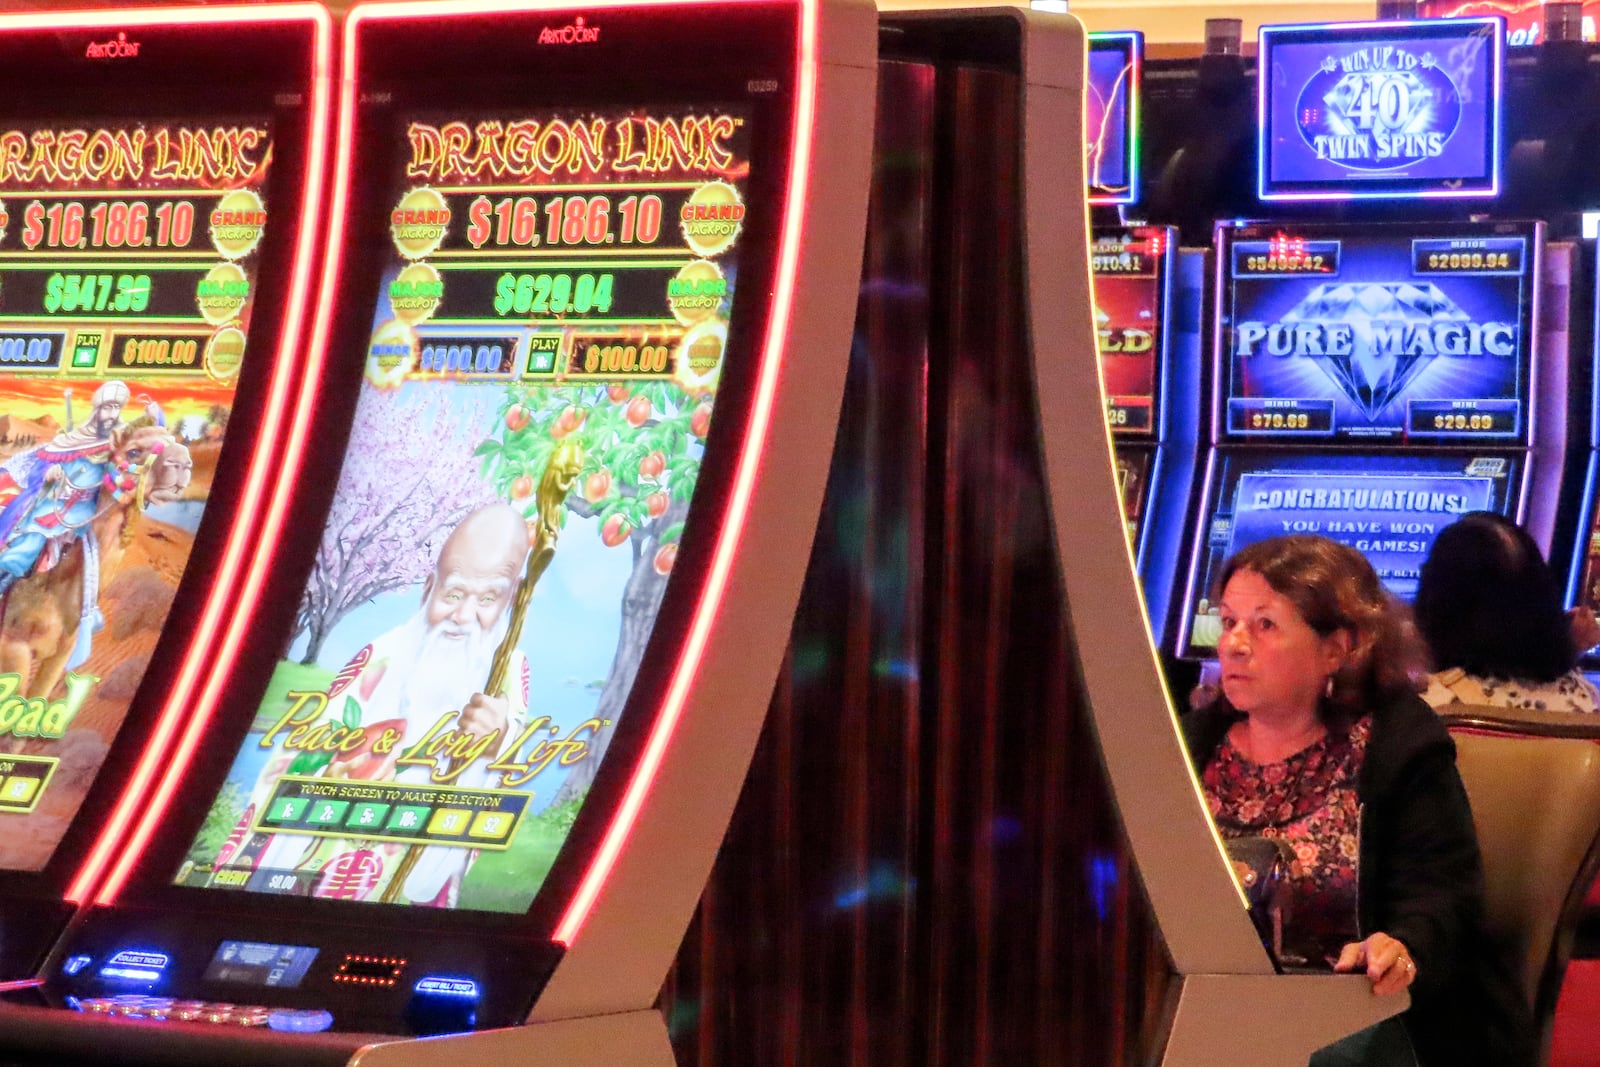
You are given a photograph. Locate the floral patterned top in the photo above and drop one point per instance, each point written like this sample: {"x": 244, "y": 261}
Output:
{"x": 1309, "y": 801}
{"x": 1570, "y": 692}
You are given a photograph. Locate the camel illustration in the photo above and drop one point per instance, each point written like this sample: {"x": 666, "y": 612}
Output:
{"x": 45, "y": 612}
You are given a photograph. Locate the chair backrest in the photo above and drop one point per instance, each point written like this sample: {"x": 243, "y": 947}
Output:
{"x": 1534, "y": 782}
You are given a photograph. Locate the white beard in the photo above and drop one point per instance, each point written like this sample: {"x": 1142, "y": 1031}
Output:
{"x": 430, "y": 675}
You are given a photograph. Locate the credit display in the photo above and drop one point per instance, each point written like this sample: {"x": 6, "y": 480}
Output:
{"x": 1383, "y": 109}
{"x": 1111, "y": 117}
{"x": 1414, "y": 335}
{"x": 128, "y": 262}
{"x": 1130, "y": 278}
{"x": 1388, "y": 506}
{"x": 540, "y": 379}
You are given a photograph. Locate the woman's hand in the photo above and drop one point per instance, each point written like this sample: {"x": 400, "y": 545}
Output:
{"x": 1387, "y": 962}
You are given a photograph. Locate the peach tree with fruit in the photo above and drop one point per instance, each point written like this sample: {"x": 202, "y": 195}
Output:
{"x": 641, "y": 444}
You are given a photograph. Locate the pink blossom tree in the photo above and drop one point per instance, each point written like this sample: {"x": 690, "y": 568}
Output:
{"x": 409, "y": 478}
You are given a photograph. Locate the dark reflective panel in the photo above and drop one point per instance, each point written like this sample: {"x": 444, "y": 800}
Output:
{"x": 925, "y": 868}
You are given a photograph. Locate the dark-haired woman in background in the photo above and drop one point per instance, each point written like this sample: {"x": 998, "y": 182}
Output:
{"x": 1318, "y": 739}
{"x": 1490, "y": 610}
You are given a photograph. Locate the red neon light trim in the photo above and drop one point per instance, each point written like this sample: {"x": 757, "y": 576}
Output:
{"x": 621, "y": 828}
{"x": 622, "y": 824}
{"x": 179, "y": 707}
{"x": 111, "y": 19}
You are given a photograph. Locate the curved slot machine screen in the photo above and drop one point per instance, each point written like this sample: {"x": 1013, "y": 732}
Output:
{"x": 128, "y": 272}
{"x": 1380, "y": 110}
{"x": 1421, "y": 335}
{"x": 541, "y": 373}
{"x": 1111, "y": 117}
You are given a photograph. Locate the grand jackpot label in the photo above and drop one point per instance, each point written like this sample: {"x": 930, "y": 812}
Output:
{"x": 128, "y": 260}
{"x": 540, "y": 381}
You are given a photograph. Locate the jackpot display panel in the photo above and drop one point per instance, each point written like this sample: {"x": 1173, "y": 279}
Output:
{"x": 563, "y": 306}
{"x": 1402, "y": 335}
{"x": 154, "y": 267}
{"x": 1371, "y": 385}
{"x": 1111, "y": 117}
{"x": 1380, "y": 110}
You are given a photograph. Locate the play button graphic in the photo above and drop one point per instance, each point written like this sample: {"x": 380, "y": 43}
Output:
{"x": 1382, "y": 316}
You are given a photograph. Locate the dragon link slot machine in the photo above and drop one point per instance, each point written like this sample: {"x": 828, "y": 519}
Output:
{"x": 161, "y": 181}
{"x": 474, "y": 757}
{"x": 1381, "y": 365}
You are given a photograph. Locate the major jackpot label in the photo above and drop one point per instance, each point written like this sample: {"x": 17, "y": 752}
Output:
{"x": 128, "y": 255}
{"x": 540, "y": 382}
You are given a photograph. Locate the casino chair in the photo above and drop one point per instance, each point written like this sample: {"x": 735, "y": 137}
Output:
{"x": 1534, "y": 782}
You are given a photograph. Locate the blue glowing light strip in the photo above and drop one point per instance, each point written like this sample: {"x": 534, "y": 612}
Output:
{"x": 1497, "y": 38}
{"x": 137, "y": 973}
{"x": 448, "y": 987}
{"x": 140, "y": 958}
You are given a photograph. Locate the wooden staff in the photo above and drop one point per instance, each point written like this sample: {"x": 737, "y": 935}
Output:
{"x": 539, "y": 557}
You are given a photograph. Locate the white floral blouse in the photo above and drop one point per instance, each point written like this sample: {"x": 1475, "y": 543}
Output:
{"x": 1571, "y": 692}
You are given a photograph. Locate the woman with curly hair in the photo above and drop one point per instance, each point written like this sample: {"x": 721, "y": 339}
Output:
{"x": 1318, "y": 739}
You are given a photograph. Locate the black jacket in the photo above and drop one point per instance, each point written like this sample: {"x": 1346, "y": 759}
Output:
{"x": 1421, "y": 881}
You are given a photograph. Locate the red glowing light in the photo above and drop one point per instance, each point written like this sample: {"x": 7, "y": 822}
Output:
{"x": 182, "y": 708}
{"x": 705, "y": 614}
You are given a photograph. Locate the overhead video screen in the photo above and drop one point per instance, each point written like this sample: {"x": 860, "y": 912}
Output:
{"x": 128, "y": 263}
{"x": 1420, "y": 335}
{"x": 1381, "y": 109}
{"x": 542, "y": 373}
{"x": 1131, "y": 275}
{"x": 1388, "y": 506}
{"x": 1111, "y": 117}
{"x": 1525, "y": 22}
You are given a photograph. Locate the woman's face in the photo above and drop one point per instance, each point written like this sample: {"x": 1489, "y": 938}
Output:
{"x": 1273, "y": 663}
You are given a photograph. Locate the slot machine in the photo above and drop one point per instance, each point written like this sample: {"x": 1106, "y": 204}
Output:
{"x": 1373, "y": 381}
{"x": 477, "y": 744}
{"x": 1147, "y": 318}
{"x": 162, "y": 187}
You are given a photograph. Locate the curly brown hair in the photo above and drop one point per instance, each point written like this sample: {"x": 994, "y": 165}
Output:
{"x": 1335, "y": 588}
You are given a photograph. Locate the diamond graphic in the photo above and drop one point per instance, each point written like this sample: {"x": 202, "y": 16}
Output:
{"x": 1371, "y": 375}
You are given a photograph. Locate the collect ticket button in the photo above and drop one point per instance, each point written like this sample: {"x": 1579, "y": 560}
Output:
{"x": 491, "y": 825}
{"x": 287, "y": 809}
{"x": 16, "y": 790}
{"x": 449, "y": 822}
{"x": 328, "y": 812}
{"x": 367, "y": 816}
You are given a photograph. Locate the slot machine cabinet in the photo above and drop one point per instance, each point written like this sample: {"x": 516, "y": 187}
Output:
{"x": 161, "y": 201}
{"x": 1225, "y": 978}
{"x": 555, "y": 247}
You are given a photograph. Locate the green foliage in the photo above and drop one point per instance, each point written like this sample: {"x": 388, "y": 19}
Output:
{"x": 640, "y": 434}
{"x": 220, "y": 821}
{"x": 558, "y": 818}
